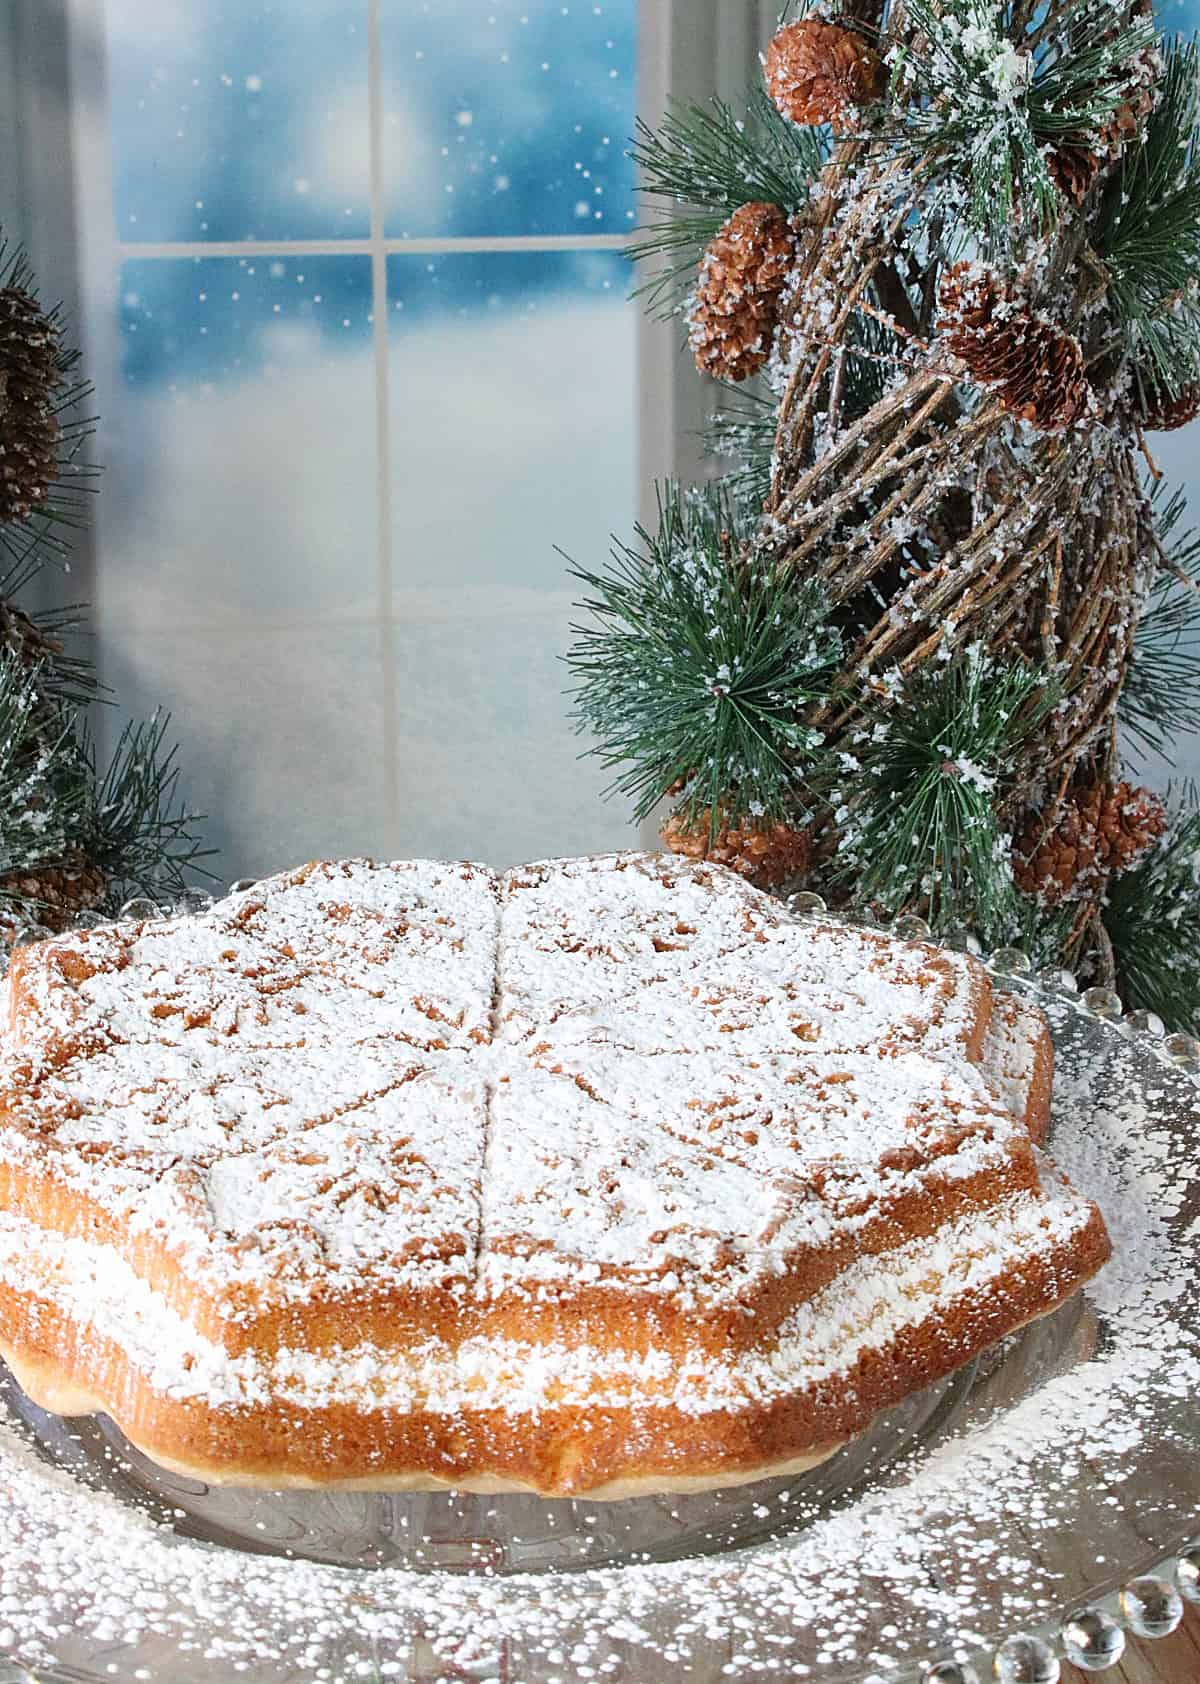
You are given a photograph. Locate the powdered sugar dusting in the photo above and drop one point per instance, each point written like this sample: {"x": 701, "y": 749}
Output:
{"x": 293, "y": 1091}
{"x": 1045, "y": 1499}
{"x": 869, "y": 1305}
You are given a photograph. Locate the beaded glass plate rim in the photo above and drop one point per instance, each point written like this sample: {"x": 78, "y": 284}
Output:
{"x": 1148, "y": 1599}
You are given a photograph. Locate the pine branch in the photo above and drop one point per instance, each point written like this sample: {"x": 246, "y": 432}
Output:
{"x": 1161, "y": 698}
{"x": 67, "y": 675}
{"x": 744, "y": 430}
{"x": 980, "y": 101}
{"x": 1153, "y": 921}
{"x": 44, "y": 537}
{"x": 43, "y": 778}
{"x": 918, "y": 823}
{"x": 1148, "y": 231}
{"x": 698, "y": 666}
{"x": 706, "y": 162}
{"x": 135, "y": 827}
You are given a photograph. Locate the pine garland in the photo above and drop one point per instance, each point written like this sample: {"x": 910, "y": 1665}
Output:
{"x": 965, "y": 488}
{"x": 698, "y": 666}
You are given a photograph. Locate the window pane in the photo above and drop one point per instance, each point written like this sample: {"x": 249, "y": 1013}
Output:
{"x": 503, "y": 117}
{"x": 512, "y": 419}
{"x": 237, "y": 574}
{"x": 512, "y": 401}
{"x": 244, "y": 476}
{"x": 234, "y": 120}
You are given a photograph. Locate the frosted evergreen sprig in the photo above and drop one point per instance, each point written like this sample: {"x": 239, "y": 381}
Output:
{"x": 1148, "y": 231}
{"x": 1153, "y": 922}
{"x": 743, "y": 430}
{"x": 697, "y": 665}
{"x": 42, "y": 783}
{"x": 703, "y": 163}
{"x": 135, "y": 825}
{"x": 1161, "y": 698}
{"x": 58, "y": 806}
{"x": 980, "y": 98}
{"x": 918, "y": 814}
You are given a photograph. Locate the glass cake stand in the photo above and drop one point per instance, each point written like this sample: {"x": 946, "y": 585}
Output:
{"x": 1038, "y": 1505}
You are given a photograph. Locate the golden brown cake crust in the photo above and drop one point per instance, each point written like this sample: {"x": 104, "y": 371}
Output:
{"x": 573, "y": 1449}
{"x": 602, "y": 1174}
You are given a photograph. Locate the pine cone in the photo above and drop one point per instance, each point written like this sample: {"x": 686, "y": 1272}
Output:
{"x": 1145, "y": 78}
{"x": 55, "y": 895}
{"x": 765, "y": 854}
{"x": 1036, "y": 370}
{"x": 1075, "y": 169}
{"x": 969, "y": 297}
{"x": 818, "y": 72}
{"x": 29, "y": 377}
{"x": 1164, "y": 413}
{"x": 1078, "y": 160}
{"x": 742, "y": 276}
{"x": 1104, "y": 829}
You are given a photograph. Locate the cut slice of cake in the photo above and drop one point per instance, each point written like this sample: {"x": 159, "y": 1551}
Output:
{"x": 605, "y": 1175}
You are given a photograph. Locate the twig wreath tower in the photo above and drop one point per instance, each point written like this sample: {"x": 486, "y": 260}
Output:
{"x": 75, "y": 836}
{"x": 894, "y": 653}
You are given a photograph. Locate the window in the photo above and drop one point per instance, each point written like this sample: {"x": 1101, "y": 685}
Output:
{"x": 352, "y": 296}
{"x": 358, "y": 316}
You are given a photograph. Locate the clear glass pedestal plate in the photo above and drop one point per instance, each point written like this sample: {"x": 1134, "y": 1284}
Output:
{"x": 1036, "y": 1506}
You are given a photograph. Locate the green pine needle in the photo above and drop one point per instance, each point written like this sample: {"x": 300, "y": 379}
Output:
{"x": 980, "y": 103}
{"x": 698, "y": 665}
{"x": 135, "y": 827}
{"x": 706, "y": 162}
{"x": 744, "y": 430}
{"x": 919, "y": 820}
{"x": 42, "y": 787}
{"x": 1153, "y": 922}
{"x": 56, "y": 807}
{"x": 1161, "y": 698}
{"x": 1148, "y": 232}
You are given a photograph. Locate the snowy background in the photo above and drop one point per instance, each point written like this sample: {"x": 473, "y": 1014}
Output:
{"x": 319, "y": 707}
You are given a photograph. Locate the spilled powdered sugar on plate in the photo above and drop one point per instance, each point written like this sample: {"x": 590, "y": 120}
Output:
{"x": 1055, "y": 1487}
